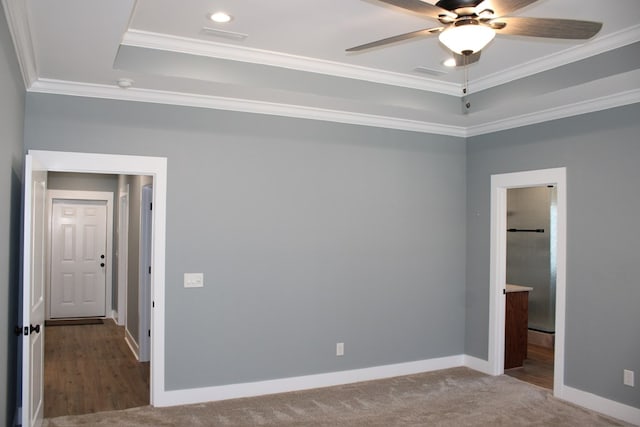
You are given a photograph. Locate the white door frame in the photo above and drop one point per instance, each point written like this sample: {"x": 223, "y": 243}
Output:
{"x": 156, "y": 167}
{"x": 105, "y": 196}
{"x": 499, "y": 186}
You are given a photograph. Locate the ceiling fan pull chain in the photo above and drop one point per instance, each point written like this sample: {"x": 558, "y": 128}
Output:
{"x": 465, "y": 88}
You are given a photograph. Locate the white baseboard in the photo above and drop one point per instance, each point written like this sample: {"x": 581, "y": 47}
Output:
{"x": 131, "y": 342}
{"x": 259, "y": 388}
{"x": 600, "y": 404}
{"x": 282, "y": 385}
{"x": 477, "y": 364}
{"x": 581, "y": 398}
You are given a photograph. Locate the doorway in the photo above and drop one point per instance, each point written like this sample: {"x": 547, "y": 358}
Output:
{"x": 37, "y": 163}
{"x": 498, "y": 271}
{"x": 531, "y": 283}
{"x": 82, "y": 338}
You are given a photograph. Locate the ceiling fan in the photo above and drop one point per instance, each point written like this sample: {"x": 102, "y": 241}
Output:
{"x": 469, "y": 25}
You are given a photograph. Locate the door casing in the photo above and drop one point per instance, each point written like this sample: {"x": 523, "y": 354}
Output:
{"x": 156, "y": 167}
{"x": 81, "y": 195}
{"x": 499, "y": 185}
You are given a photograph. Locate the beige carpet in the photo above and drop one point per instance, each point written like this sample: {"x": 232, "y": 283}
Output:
{"x": 452, "y": 397}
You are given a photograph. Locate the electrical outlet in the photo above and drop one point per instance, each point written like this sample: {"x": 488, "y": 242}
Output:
{"x": 340, "y": 349}
{"x": 628, "y": 378}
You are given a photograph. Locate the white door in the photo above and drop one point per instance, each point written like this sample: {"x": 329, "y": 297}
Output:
{"x": 78, "y": 258}
{"x": 33, "y": 292}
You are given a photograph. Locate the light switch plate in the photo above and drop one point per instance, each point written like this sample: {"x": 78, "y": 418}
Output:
{"x": 629, "y": 378}
{"x": 193, "y": 280}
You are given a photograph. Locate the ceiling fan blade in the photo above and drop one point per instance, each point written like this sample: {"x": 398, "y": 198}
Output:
{"x": 420, "y": 7}
{"x": 394, "y": 39}
{"x": 504, "y": 7}
{"x": 547, "y": 27}
{"x": 462, "y": 60}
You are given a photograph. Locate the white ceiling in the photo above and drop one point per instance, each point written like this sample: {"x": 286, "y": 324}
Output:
{"x": 293, "y": 61}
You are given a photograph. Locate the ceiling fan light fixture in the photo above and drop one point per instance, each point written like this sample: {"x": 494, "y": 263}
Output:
{"x": 466, "y": 38}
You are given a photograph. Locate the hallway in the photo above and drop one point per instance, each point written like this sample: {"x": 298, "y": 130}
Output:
{"x": 89, "y": 368}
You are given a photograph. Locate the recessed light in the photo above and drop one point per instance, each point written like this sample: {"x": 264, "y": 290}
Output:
{"x": 220, "y": 17}
{"x": 451, "y": 62}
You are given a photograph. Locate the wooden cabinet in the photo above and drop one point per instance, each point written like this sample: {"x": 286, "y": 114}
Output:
{"x": 516, "y": 327}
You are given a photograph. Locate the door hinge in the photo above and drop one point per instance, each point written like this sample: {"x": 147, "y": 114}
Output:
{"x": 149, "y": 269}
{"x": 504, "y": 292}
{"x": 153, "y": 304}
{"x": 149, "y": 333}
{"x": 151, "y": 206}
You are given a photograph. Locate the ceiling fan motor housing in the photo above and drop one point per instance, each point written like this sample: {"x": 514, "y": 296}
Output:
{"x": 452, "y": 5}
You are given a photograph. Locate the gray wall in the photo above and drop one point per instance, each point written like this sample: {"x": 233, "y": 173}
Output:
{"x": 11, "y": 163}
{"x": 308, "y": 233}
{"x": 601, "y": 152}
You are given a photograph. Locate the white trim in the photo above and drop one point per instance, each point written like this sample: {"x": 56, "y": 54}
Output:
{"x": 600, "y": 404}
{"x": 476, "y": 364}
{"x": 572, "y": 54}
{"x": 17, "y": 14}
{"x": 628, "y": 97}
{"x": 306, "y": 382}
{"x": 499, "y": 185}
{"x": 157, "y": 41}
{"x": 92, "y": 90}
{"x": 132, "y": 344}
{"x": 132, "y": 165}
{"x": 259, "y": 388}
{"x": 170, "y": 43}
{"x": 81, "y": 195}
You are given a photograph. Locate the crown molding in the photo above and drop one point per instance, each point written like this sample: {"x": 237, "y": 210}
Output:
{"x": 620, "y": 99}
{"x": 600, "y": 45}
{"x": 17, "y": 14}
{"x": 150, "y": 40}
{"x": 91, "y": 90}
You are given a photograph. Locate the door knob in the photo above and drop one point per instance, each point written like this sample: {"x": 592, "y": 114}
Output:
{"x": 102, "y": 264}
{"x": 102, "y": 256}
{"x": 34, "y": 328}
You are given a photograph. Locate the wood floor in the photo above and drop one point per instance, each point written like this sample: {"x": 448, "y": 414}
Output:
{"x": 537, "y": 368}
{"x": 90, "y": 368}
